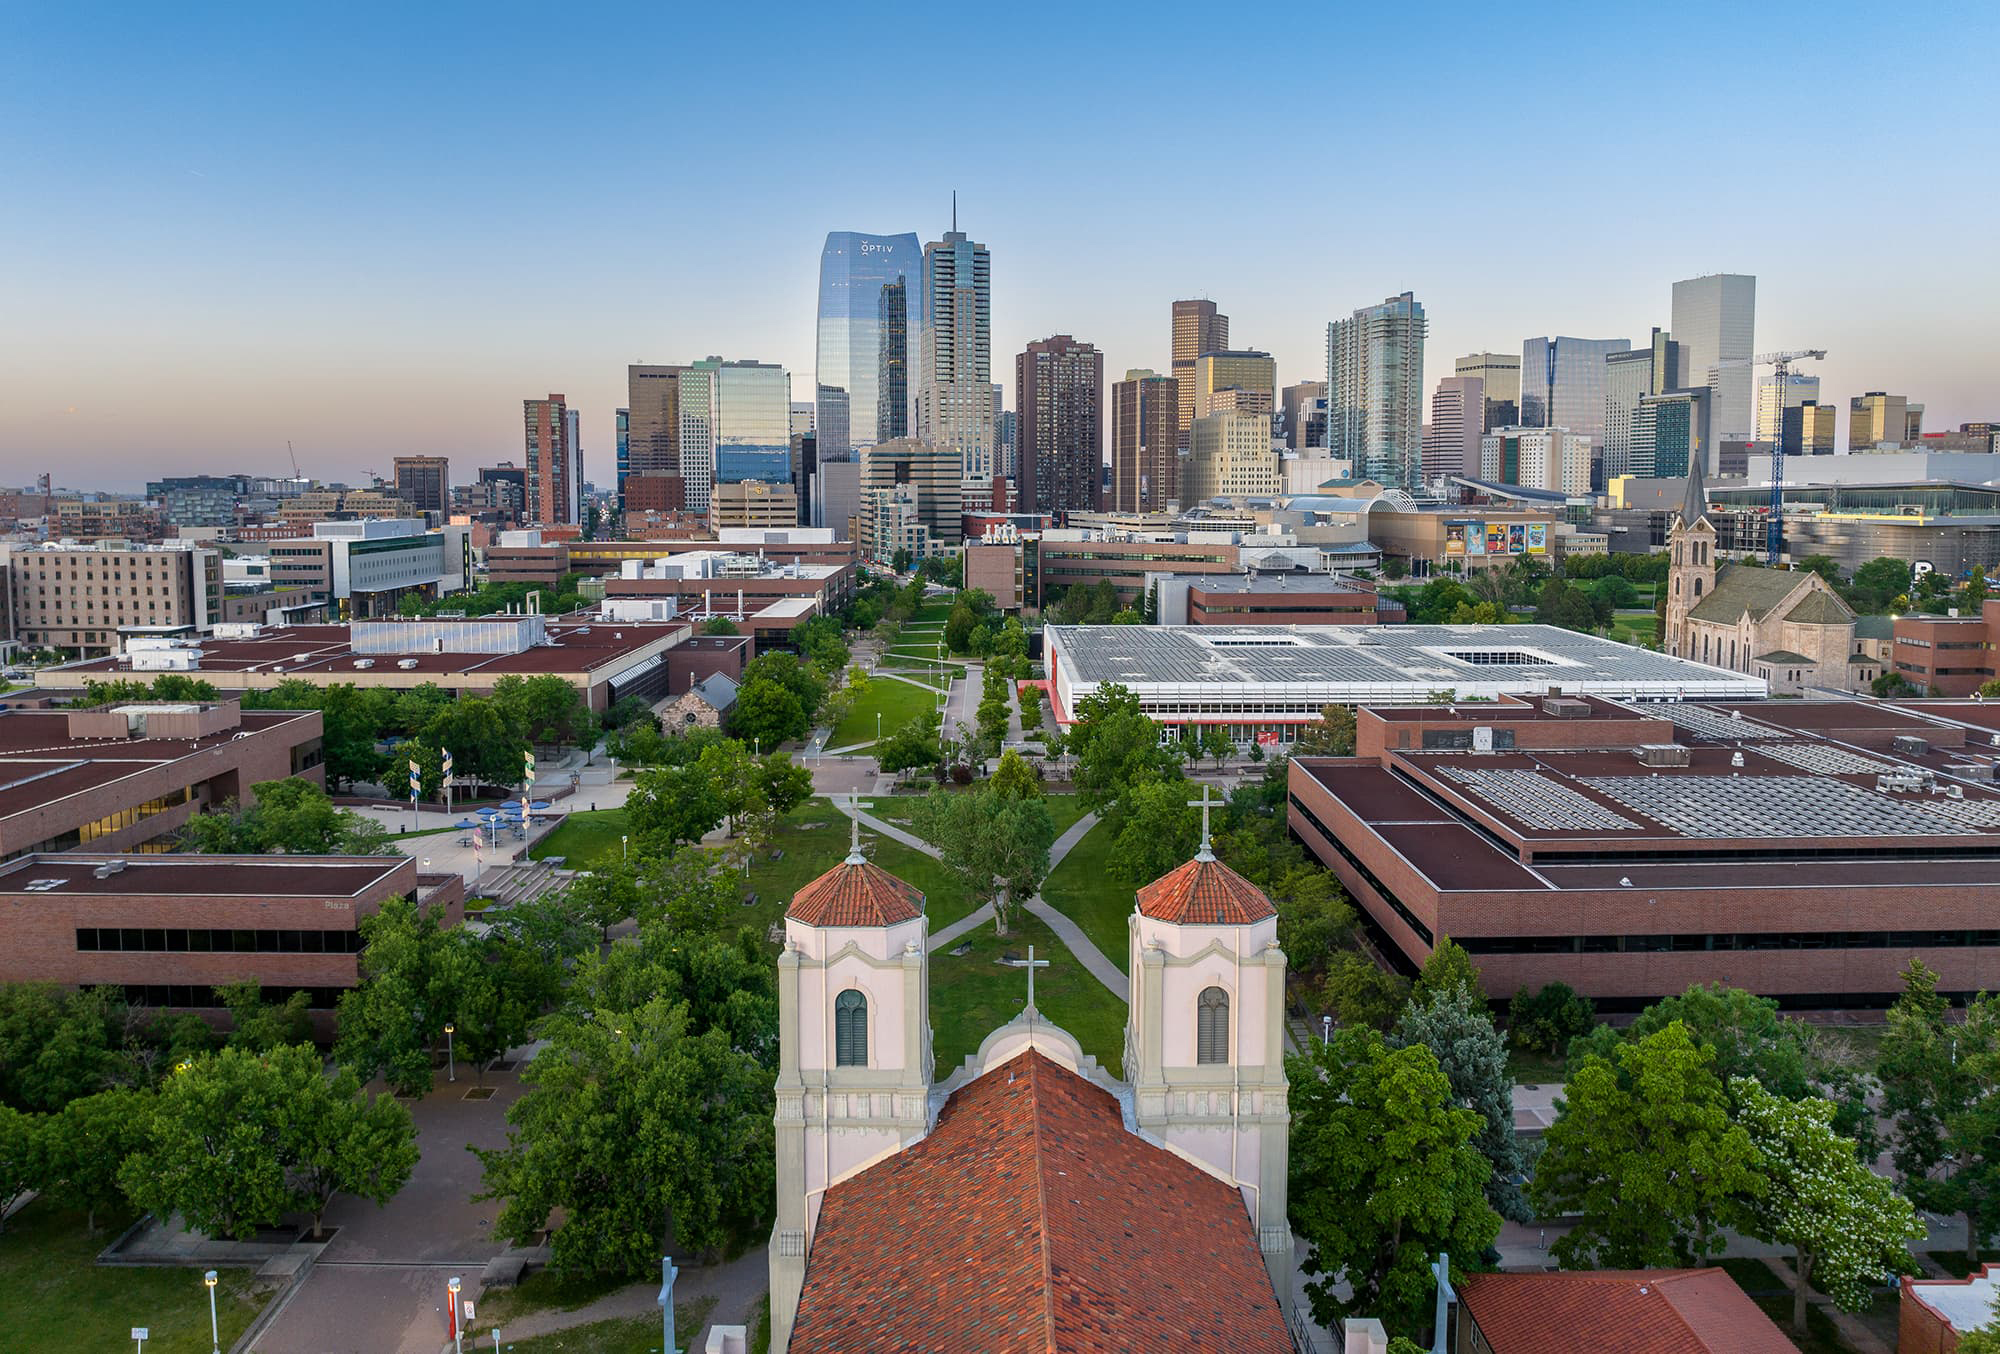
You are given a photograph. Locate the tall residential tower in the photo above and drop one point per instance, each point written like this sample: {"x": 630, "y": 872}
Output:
{"x": 955, "y": 404}
{"x": 1145, "y": 432}
{"x": 1059, "y": 394}
{"x": 1375, "y": 391}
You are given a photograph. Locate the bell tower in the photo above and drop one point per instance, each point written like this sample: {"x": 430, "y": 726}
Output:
{"x": 854, "y": 1061}
{"x": 1205, "y": 1041}
{"x": 1692, "y": 568}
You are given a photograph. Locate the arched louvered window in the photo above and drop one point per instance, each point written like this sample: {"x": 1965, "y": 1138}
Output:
{"x": 1211, "y": 1035}
{"x": 850, "y": 1029}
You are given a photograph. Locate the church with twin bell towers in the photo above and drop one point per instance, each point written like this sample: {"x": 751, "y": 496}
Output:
{"x": 1031, "y": 1200}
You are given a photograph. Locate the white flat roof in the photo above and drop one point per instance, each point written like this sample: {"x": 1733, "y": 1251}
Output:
{"x": 1967, "y": 1304}
{"x": 1376, "y": 662}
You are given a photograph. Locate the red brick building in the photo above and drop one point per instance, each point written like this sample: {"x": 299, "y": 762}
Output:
{"x": 1804, "y": 850}
{"x": 1935, "y": 1312}
{"x": 1947, "y": 655}
{"x": 1642, "y": 1311}
{"x": 126, "y": 777}
{"x": 166, "y": 930}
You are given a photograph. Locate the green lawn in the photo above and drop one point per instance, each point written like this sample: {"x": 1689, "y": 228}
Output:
{"x": 585, "y": 839}
{"x": 973, "y": 994}
{"x": 1533, "y": 1067}
{"x": 57, "y": 1300}
{"x": 1082, "y": 889}
{"x": 913, "y": 668}
{"x": 897, "y": 702}
{"x": 1635, "y": 627}
{"x": 624, "y": 1335}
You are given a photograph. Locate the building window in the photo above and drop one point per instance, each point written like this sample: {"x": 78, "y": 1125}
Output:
{"x": 1211, "y": 1043}
{"x": 850, "y": 1029}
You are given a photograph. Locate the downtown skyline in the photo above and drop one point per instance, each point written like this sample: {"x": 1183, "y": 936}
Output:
{"x": 285, "y": 226}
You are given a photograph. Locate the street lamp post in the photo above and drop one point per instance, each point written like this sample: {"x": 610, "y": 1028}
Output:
{"x": 1326, "y": 1029}
{"x": 622, "y": 840}
{"x": 457, "y": 1342}
{"x": 450, "y": 1059}
{"x": 214, "y": 1330}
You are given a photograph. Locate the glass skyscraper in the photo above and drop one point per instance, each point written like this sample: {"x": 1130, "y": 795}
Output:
{"x": 1715, "y": 322}
{"x": 1375, "y": 391}
{"x": 956, "y": 406}
{"x": 1563, "y": 384}
{"x": 753, "y": 421}
{"x": 853, "y": 347}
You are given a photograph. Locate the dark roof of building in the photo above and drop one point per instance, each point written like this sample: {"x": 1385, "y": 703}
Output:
{"x": 1874, "y": 627}
{"x": 1781, "y": 656}
{"x": 1660, "y": 1311}
{"x": 1205, "y": 893}
{"x": 157, "y": 875}
{"x": 40, "y": 763}
{"x": 856, "y": 894}
{"x": 1031, "y": 1219}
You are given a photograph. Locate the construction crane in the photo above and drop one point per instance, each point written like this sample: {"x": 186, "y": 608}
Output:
{"x": 295, "y": 459}
{"x": 1781, "y": 367}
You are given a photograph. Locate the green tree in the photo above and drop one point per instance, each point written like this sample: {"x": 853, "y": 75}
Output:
{"x": 648, "y": 1116}
{"x": 1643, "y": 1148}
{"x": 1452, "y": 1021}
{"x": 995, "y": 847}
{"x": 1845, "y": 1226}
{"x": 1314, "y": 918}
{"x": 1550, "y": 1018}
{"x": 336, "y": 1140}
{"x": 1014, "y": 778}
{"x": 1216, "y": 744}
{"x": 259, "y": 1025}
{"x": 732, "y": 776}
{"x": 1332, "y": 735}
{"x": 1878, "y": 583}
{"x": 913, "y": 745}
{"x": 1384, "y": 1175}
{"x": 1615, "y": 591}
{"x": 83, "y": 1147}
{"x": 1930, "y": 1071}
{"x": 1115, "y": 746}
{"x": 1155, "y": 830}
{"x": 293, "y": 817}
{"x": 780, "y": 783}
{"x": 605, "y": 894}
{"x": 1893, "y": 685}
{"x": 55, "y": 1045}
{"x": 1362, "y": 993}
{"x": 350, "y": 733}
{"x": 394, "y": 1018}
{"x": 719, "y": 625}
{"x": 768, "y": 713}
{"x": 1448, "y": 968}
{"x": 674, "y": 804}
{"x": 486, "y": 745}
{"x": 20, "y": 1157}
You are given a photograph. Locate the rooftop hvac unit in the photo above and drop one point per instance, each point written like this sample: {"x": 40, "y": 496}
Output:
{"x": 109, "y": 868}
{"x": 1909, "y": 745}
{"x": 1662, "y": 754}
{"x": 364, "y": 662}
{"x": 1565, "y": 707}
{"x": 406, "y": 663}
{"x": 1736, "y": 757}
{"x": 1986, "y": 771}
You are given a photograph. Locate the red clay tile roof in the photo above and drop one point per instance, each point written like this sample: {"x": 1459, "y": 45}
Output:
{"x": 1205, "y": 893}
{"x": 856, "y": 895}
{"x": 1031, "y": 1220}
{"x": 1645, "y": 1311}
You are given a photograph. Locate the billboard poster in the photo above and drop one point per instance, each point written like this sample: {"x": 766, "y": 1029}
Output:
{"x": 1496, "y": 538}
{"x": 1475, "y": 538}
{"x": 1517, "y": 538}
{"x": 1267, "y": 737}
{"x": 1538, "y": 538}
{"x": 1454, "y": 538}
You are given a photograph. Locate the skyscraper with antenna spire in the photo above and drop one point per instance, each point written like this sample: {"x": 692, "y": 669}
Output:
{"x": 955, "y": 400}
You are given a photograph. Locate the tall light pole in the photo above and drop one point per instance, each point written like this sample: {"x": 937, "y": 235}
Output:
{"x": 622, "y": 840}
{"x": 450, "y": 1060}
{"x": 214, "y": 1330}
{"x": 457, "y": 1343}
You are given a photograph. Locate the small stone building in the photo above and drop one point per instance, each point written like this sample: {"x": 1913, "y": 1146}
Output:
{"x": 701, "y": 706}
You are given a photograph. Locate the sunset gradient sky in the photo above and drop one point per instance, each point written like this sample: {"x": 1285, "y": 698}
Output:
{"x": 376, "y": 229}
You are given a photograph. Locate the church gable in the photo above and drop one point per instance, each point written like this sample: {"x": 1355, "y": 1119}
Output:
{"x": 1745, "y": 590}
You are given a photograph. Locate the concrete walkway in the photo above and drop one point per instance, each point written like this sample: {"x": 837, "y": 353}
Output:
{"x": 736, "y": 1286}
{"x": 1066, "y": 930}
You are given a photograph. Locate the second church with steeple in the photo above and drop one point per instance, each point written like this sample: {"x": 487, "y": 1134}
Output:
{"x": 1788, "y": 627}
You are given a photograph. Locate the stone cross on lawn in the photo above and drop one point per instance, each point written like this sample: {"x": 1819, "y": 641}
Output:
{"x": 1031, "y": 964}
{"x": 1204, "y": 804}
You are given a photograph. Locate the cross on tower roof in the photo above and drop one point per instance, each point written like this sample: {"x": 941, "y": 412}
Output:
{"x": 1204, "y": 804}
{"x": 854, "y": 856}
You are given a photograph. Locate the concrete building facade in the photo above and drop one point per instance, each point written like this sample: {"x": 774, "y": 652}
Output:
{"x": 1145, "y": 467}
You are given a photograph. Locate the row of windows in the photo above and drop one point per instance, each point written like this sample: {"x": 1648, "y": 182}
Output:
{"x": 850, "y": 1028}
{"x": 199, "y": 997}
{"x": 124, "y": 818}
{"x": 182, "y": 940}
{"x": 1751, "y": 940}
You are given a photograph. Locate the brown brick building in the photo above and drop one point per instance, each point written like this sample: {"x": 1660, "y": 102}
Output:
{"x": 1063, "y": 565}
{"x": 1947, "y": 655}
{"x": 167, "y": 930}
{"x": 79, "y": 597}
{"x": 1803, "y": 850}
{"x": 1258, "y": 598}
{"x": 127, "y": 777}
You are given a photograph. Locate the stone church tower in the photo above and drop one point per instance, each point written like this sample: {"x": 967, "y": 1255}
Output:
{"x": 854, "y": 1064}
{"x": 1691, "y": 573}
{"x": 1204, "y": 1040}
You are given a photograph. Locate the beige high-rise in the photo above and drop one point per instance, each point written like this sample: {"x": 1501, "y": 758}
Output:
{"x": 1253, "y": 373}
{"x": 1229, "y": 456}
{"x": 1198, "y": 329}
{"x": 1145, "y": 462}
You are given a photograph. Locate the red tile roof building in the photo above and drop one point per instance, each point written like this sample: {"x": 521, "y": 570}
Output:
{"x": 1031, "y": 1219}
{"x": 1205, "y": 892}
{"x": 1646, "y": 1311}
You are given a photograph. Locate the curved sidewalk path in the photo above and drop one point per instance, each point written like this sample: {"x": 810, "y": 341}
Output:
{"x": 1066, "y": 930}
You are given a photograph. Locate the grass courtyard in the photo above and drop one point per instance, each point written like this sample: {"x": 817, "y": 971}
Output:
{"x": 974, "y": 993}
{"x": 896, "y": 702}
{"x": 58, "y": 1300}
{"x": 586, "y": 839}
{"x": 1082, "y": 889}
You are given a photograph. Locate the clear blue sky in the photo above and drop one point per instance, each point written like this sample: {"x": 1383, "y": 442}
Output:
{"x": 375, "y": 229}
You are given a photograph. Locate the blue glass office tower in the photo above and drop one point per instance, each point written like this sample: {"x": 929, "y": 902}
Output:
{"x": 855, "y": 344}
{"x": 1563, "y": 383}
